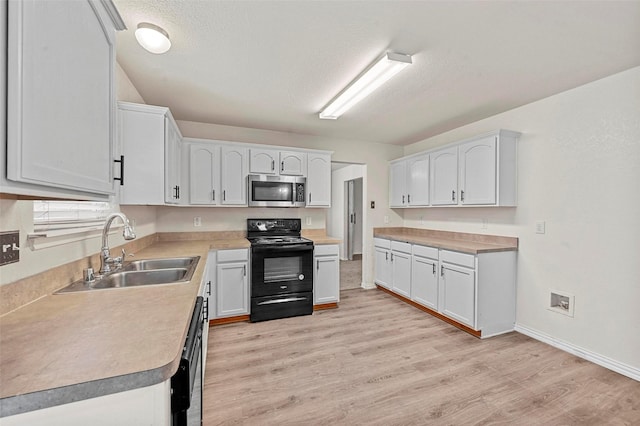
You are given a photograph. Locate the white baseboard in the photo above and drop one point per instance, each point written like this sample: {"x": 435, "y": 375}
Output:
{"x": 601, "y": 360}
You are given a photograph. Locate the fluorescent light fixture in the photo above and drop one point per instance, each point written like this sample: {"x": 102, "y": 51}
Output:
{"x": 152, "y": 38}
{"x": 385, "y": 68}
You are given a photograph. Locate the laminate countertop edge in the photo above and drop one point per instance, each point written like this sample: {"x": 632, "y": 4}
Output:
{"x": 461, "y": 242}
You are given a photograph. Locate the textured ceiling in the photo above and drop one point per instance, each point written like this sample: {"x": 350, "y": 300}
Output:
{"x": 274, "y": 64}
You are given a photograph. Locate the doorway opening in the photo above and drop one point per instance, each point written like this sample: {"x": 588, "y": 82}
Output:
{"x": 346, "y": 220}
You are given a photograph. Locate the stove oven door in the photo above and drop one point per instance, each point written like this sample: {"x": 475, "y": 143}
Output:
{"x": 281, "y": 269}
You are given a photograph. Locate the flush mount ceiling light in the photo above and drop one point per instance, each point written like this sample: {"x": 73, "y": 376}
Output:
{"x": 385, "y": 68}
{"x": 152, "y": 38}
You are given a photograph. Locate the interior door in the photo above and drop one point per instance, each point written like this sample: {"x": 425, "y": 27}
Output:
{"x": 351, "y": 213}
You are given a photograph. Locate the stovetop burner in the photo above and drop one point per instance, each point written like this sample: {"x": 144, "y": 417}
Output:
{"x": 279, "y": 240}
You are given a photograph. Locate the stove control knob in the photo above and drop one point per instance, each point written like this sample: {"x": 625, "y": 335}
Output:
{"x": 301, "y": 277}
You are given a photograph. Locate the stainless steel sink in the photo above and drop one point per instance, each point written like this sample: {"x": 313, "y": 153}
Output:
{"x": 149, "y": 264}
{"x": 141, "y": 273}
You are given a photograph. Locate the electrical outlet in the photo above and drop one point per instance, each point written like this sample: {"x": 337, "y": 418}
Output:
{"x": 421, "y": 220}
{"x": 308, "y": 220}
{"x": 485, "y": 223}
{"x": 386, "y": 219}
{"x": 540, "y": 227}
{"x": 197, "y": 221}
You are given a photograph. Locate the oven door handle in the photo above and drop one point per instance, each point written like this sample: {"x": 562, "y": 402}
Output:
{"x": 272, "y": 248}
{"x": 285, "y": 300}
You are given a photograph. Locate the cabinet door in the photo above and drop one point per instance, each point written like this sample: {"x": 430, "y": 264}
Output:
{"x": 418, "y": 181}
{"x": 204, "y": 174}
{"x": 424, "y": 281}
{"x": 293, "y": 163}
{"x": 444, "y": 177}
{"x": 397, "y": 184}
{"x": 319, "y": 180}
{"x": 233, "y": 180}
{"x": 172, "y": 140}
{"x": 60, "y": 95}
{"x": 383, "y": 267}
{"x": 401, "y": 266}
{"x": 263, "y": 161}
{"x": 326, "y": 279}
{"x": 142, "y": 132}
{"x": 458, "y": 293}
{"x": 478, "y": 171}
{"x": 232, "y": 289}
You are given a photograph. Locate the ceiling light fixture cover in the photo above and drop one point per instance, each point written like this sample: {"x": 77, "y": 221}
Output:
{"x": 385, "y": 68}
{"x": 153, "y": 38}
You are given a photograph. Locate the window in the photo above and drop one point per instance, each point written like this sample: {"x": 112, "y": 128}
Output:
{"x": 65, "y": 217}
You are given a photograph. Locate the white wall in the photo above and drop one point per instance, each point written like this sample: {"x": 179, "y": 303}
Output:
{"x": 579, "y": 171}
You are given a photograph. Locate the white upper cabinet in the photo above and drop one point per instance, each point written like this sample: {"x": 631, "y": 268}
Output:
{"x": 204, "y": 174}
{"x": 264, "y": 161}
{"x": 480, "y": 171}
{"x": 398, "y": 184}
{"x": 418, "y": 181}
{"x": 233, "y": 178}
{"x": 61, "y": 98}
{"x": 444, "y": 177}
{"x": 151, "y": 144}
{"x": 319, "y": 180}
{"x": 293, "y": 163}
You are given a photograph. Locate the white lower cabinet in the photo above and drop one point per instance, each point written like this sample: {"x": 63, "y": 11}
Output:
{"x": 475, "y": 290}
{"x": 424, "y": 276}
{"x": 231, "y": 283}
{"x": 150, "y": 405}
{"x": 458, "y": 293}
{"x": 383, "y": 272}
{"x": 401, "y": 268}
{"x": 326, "y": 274}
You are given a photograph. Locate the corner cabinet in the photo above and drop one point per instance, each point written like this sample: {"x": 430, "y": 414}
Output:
{"x": 318, "y": 180}
{"x": 326, "y": 274}
{"x": 480, "y": 171}
{"x": 60, "y": 113}
{"x": 150, "y": 143}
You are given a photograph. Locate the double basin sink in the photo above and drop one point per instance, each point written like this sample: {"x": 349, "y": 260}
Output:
{"x": 141, "y": 273}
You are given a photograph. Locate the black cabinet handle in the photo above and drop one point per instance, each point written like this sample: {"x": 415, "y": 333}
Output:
{"x": 408, "y": 198}
{"x": 453, "y": 195}
{"x": 434, "y": 268}
{"x": 121, "y": 178}
{"x": 209, "y": 288}
{"x": 442, "y": 270}
{"x": 462, "y": 195}
{"x": 282, "y": 166}
{"x": 178, "y": 192}
{"x": 214, "y": 194}
{"x": 224, "y": 195}
{"x": 403, "y": 199}
{"x": 273, "y": 165}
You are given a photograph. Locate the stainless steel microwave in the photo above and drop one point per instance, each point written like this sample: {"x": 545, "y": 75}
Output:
{"x": 276, "y": 191}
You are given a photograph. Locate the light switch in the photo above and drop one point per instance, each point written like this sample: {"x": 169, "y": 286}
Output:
{"x": 540, "y": 227}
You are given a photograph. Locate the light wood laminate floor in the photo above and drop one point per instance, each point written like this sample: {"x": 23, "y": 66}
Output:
{"x": 378, "y": 361}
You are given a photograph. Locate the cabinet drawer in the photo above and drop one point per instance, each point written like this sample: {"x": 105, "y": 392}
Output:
{"x": 461, "y": 259}
{"x": 237, "y": 255}
{"x": 325, "y": 250}
{"x": 380, "y": 242}
{"x": 424, "y": 251}
{"x": 403, "y": 247}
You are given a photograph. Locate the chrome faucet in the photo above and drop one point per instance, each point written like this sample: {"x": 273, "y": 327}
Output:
{"x": 108, "y": 263}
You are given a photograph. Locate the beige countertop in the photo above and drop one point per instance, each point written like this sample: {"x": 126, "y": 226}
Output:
{"x": 319, "y": 237}
{"x": 72, "y": 346}
{"x": 456, "y": 241}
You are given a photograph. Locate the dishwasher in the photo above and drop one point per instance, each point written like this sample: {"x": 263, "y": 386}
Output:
{"x": 186, "y": 384}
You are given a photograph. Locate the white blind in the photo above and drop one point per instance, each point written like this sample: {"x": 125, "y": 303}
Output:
{"x": 58, "y": 215}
